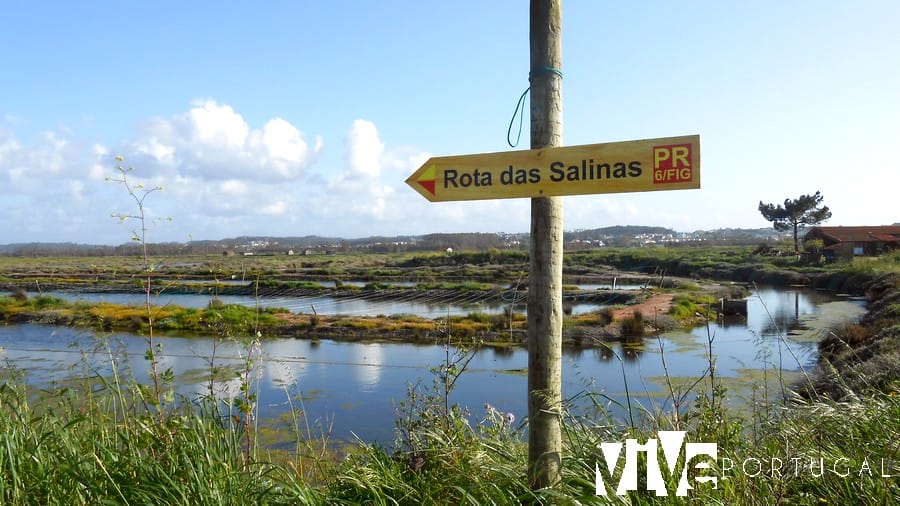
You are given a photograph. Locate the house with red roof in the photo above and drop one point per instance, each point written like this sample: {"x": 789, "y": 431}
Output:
{"x": 844, "y": 243}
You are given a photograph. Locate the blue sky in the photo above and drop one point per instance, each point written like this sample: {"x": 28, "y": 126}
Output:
{"x": 303, "y": 117}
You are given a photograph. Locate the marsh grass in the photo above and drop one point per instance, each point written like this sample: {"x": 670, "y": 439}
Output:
{"x": 632, "y": 326}
{"x": 888, "y": 262}
{"x": 103, "y": 449}
{"x": 96, "y": 442}
{"x": 686, "y": 307}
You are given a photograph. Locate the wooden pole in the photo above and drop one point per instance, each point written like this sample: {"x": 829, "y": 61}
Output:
{"x": 545, "y": 274}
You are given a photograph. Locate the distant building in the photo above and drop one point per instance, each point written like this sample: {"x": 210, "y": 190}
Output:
{"x": 844, "y": 243}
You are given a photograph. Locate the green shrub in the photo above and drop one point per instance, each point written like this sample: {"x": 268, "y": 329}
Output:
{"x": 48, "y": 302}
{"x": 479, "y": 317}
{"x": 685, "y": 308}
{"x": 606, "y": 315}
{"x": 633, "y": 326}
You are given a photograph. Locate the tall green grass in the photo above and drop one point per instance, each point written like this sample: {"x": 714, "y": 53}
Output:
{"x": 888, "y": 262}
{"x": 101, "y": 449}
{"x": 98, "y": 443}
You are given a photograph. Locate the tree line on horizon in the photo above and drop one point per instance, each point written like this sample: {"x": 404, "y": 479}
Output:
{"x": 619, "y": 235}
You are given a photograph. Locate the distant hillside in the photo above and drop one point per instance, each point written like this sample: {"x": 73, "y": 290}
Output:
{"x": 52, "y": 248}
{"x": 620, "y": 235}
{"x": 742, "y": 235}
{"x": 617, "y": 231}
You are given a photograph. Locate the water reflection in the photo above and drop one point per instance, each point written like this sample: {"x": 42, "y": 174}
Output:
{"x": 604, "y": 354}
{"x": 780, "y": 311}
{"x": 291, "y": 367}
{"x": 502, "y": 352}
{"x": 328, "y": 304}
{"x": 632, "y": 352}
{"x": 353, "y": 387}
{"x": 368, "y": 359}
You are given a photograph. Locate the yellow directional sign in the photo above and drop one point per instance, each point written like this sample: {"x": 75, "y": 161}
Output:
{"x": 668, "y": 163}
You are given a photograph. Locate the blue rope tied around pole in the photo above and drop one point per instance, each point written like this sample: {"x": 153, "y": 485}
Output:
{"x": 544, "y": 70}
{"x": 521, "y": 103}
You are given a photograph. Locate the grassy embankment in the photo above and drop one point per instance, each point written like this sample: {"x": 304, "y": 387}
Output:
{"x": 107, "y": 441}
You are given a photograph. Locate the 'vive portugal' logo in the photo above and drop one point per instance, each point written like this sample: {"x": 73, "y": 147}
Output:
{"x": 681, "y": 459}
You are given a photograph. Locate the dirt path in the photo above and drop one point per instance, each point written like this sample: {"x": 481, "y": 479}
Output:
{"x": 658, "y": 304}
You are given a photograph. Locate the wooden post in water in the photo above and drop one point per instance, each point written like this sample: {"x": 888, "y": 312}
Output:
{"x": 545, "y": 274}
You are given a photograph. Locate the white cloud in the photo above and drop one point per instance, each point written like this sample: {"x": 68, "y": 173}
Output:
{"x": 364, "y": 149}
{"x": 404, "y": 160}
{"x": 362, "y": 194}
{"x": 45, "y": 165}
{"x": 233, "y": 187}
{"x": 76, "y": 189}
{"x": 225, "y": 178}
{"x": 9, "y": 146}
{"x": 216, "y": 125}
{"x": 153, "y": 147}
{"x": 189, "y": 155}
{"x": 221, "y": 176}
{"x": 213, "y": 142}
{"x": 98, "y": 171}
{"x": 275, "y": 208}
